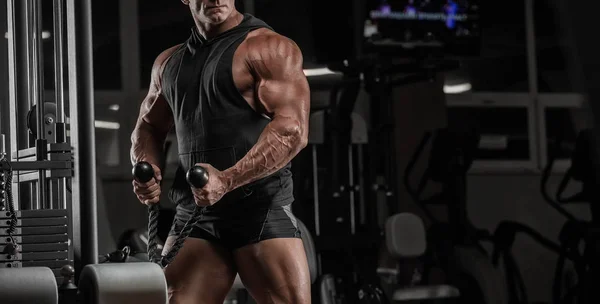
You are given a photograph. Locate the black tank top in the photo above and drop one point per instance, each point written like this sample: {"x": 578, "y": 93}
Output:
{"x": 214, "y": 123}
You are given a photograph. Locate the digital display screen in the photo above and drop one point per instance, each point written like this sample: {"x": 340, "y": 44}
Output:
{"x": 450, "y": 22}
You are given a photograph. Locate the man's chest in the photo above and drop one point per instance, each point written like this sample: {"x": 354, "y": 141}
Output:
{"x": 210, "y": 76}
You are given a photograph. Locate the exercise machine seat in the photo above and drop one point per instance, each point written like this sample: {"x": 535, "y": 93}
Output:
{"x": 429, "y": 292}
{"x": 406, "y": 237}
{"x": 311, "y": 256}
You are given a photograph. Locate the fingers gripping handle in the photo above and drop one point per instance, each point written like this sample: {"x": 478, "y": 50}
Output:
{"x": 197, "y": 177}
{"x": 143, "y": 172}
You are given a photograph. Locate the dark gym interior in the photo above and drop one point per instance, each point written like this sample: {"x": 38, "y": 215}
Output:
{"x": 452, "y": 152}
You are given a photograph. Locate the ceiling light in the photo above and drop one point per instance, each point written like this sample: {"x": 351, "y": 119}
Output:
{"x": 457, "y": 88}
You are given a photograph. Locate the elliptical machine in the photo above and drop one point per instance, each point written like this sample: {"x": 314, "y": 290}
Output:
{"x": 455, "y": 245}
{"x": 579, "y": 239}
{"x": 504, "y": 237}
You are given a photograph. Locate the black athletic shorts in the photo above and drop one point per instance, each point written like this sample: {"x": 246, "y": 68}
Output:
{"x": 235, "y": 227}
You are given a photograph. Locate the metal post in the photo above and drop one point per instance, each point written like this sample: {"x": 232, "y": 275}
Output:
{"x": 358, "y": 29}
{"x": 2, "y": 146}
{"x": 13, "y": 143}
{"x": 23, "y": 84}
{"x": 81, "y": 101}
{"x": 37, "y": 74}
{"x": 34, "y": 9}
{"x": 3, "y": 76}
{"x": 361, "y": 184}
{"x": 315, "y": 172}
{"x": 537, "y": 129}
{"x": 351, "y": 189}
{"x": 130, "y": 76}
{"x": 58, "y": 69}
{"x": 59, "y": 89}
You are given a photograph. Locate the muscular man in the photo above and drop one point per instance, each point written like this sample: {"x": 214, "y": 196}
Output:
{"x": 237, "y": 96}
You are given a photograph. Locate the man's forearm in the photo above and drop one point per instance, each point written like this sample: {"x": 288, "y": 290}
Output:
{"x": 278, "y": 144}
{"x": 146, "y": 144}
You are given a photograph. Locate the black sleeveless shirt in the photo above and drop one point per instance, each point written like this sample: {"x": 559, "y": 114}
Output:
{"x": 213, "y": 122}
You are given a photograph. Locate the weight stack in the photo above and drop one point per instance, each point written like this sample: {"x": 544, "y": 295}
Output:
{"x": 42, "y": 236}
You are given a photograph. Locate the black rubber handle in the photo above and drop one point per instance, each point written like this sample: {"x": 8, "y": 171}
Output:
{"x": 143, "y": 172}
{"x": 197, "y": 177}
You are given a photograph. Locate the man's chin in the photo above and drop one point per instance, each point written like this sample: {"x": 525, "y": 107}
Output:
{"x": 217, "y": 17}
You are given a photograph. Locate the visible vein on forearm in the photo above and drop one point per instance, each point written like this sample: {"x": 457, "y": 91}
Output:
{"x": 277, "y": 145}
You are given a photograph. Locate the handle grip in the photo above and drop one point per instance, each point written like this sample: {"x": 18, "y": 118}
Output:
{"x": 143, "y": 172}
{"x": 197, "y": 176}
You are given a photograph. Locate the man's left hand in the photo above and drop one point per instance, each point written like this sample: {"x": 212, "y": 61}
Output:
{"x": 214, "y": 190}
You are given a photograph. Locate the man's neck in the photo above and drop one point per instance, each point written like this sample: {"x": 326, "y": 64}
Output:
{"x": 209, "y": 30}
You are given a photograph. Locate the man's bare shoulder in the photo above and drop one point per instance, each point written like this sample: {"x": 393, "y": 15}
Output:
{"x": 164, "y": 56}
{"x": 264, "y": 43}
{"x": 159, "y": 64}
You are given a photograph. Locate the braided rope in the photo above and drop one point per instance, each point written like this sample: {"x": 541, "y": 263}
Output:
{"x": 153, "y": 253}
{"x": 185, "y": 232}
{"x": 153, "y": 214}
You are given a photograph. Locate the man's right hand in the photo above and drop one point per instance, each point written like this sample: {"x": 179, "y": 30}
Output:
{"x": 149, "y": 193}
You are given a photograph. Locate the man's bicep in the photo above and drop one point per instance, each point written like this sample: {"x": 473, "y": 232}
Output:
{"x": 281, "y": 83}
{"x": 154, "y": 109}
{"x": 156, "y": 112}
{"x": 285, "y": 97}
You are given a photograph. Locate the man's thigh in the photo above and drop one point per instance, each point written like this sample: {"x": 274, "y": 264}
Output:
{"x": 202, "y": 272}
{"x": 275, "y": 270}
{"x": 273, "y": 264}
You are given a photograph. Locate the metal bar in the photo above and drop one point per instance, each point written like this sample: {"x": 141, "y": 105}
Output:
{"x": 42, "y": 247}
{"x": 33, "y": 176}
{"x": 12, "y": 87}
{"x": 358, "y": 26}
{"x": 4, "y": 119}
{"x": 315, "y": 170}
{"x": 37, "y": 98}
{"x": 130, "y": 75}
{"x": 130, "y": 51}
{"x": 51, "y": 264}
{"x": 2, "y": 146}
{"x": 23, "y": 83}
{"x": 37, "y": 222}
{"x": 361, "y": 183}
{"x": 59, "y": 195}
{"x": 58, "y": 62}
{"x": 351, "y": 189}
{"x": 40, "y": 239}
{"x": 37, "y": 71}
{"x": 81, "y": 101}
{"x": 30, "y": 152}
{"x": 537, "y": 134}
{"x": 37, "y": 214}
{"x": 36, "y": 256}
{"x": 36, "y": 230}
{"x": 40, "y": 165}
